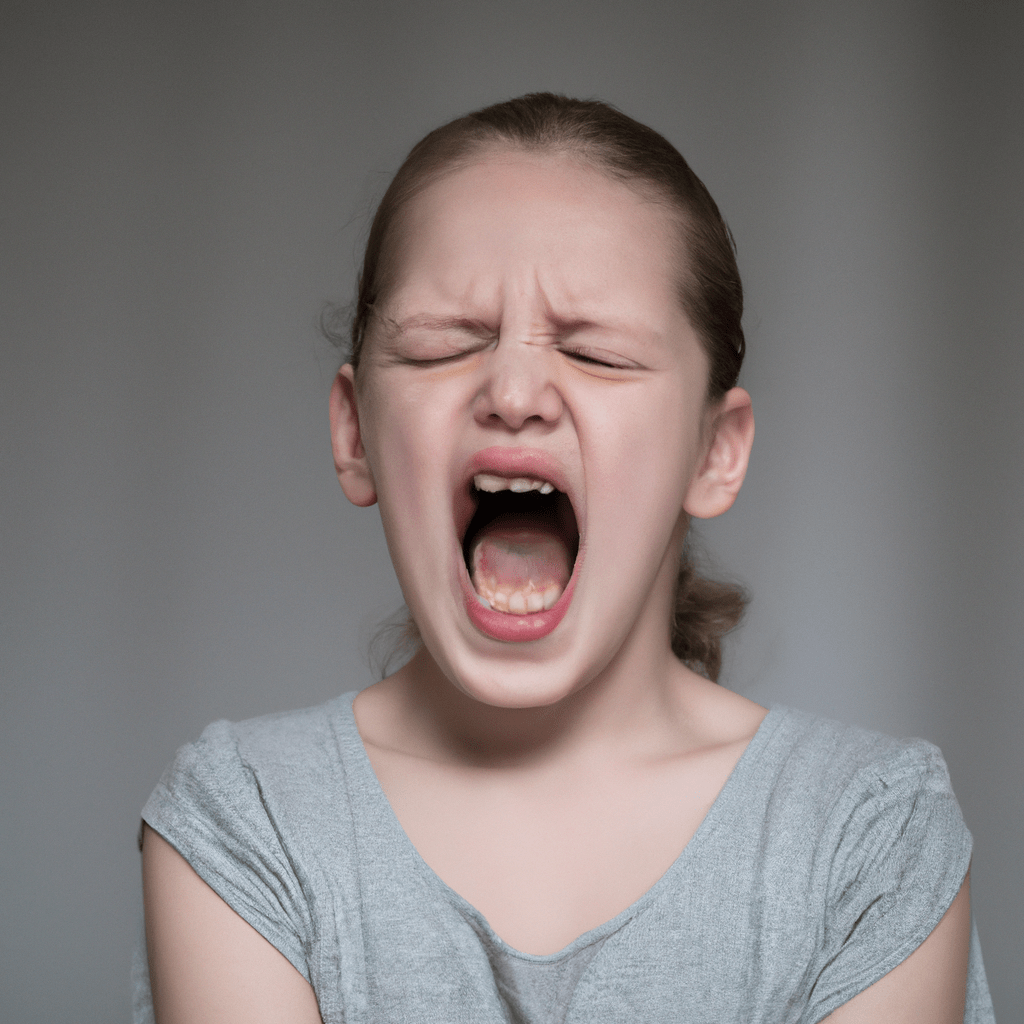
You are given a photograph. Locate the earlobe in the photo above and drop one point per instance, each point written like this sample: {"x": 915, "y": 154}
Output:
{"x": 350, "y": 460}
{"x": 716, "y": 483}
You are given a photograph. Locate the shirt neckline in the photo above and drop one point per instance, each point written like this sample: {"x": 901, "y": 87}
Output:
{"x": 360, "y": 771}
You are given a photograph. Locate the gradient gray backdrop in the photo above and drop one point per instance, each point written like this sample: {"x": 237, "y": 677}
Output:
{"x": 184, "y": 184}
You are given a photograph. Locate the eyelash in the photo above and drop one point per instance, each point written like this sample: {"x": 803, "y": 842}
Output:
{"x": 579, "y": 354}
{"x": 583, "y": 356}
{"x": 437, "y": 361}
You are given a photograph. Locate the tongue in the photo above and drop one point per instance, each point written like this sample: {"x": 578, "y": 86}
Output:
{"x": 519, "y": 563}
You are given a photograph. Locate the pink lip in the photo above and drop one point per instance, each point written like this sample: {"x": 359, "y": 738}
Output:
{"x": 511, "y": 462}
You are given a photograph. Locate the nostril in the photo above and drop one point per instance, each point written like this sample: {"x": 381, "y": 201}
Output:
{"x": 518, "y": 395}
{"x": 517, "y": 415}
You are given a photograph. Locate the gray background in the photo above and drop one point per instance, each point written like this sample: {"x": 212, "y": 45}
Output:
{"x": 185, "y": 184}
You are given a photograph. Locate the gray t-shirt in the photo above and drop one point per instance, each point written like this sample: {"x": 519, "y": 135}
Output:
{"x": 828, "y": 857}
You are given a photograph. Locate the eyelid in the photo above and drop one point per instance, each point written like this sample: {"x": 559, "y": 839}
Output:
{"x": 435, "y": 361}
{"x": 477, "y": 346}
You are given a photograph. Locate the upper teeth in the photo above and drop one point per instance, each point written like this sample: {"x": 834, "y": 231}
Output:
{"x": 518, "y": 484}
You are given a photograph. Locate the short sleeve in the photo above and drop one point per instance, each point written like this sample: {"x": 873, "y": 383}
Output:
{"x": 211, "y": 807}
{"x": 899, "y": 851}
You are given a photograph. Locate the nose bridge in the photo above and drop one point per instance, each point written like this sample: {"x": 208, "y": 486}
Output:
{"x": 521, "y": 381}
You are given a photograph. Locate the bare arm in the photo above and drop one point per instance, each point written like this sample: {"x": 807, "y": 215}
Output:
{"x": 930, "y": 986}
{"x": 206, "y": 963}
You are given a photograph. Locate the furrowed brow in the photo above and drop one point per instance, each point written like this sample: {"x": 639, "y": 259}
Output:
{"x": 565, "y": 327}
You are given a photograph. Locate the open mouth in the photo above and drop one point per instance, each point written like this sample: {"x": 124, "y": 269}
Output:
{"x": 521, "y": 543}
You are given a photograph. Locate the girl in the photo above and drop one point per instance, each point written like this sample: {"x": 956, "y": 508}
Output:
{"x": 552, "y": 812}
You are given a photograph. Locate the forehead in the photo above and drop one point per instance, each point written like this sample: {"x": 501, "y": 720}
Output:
{"x": 511, "y": 221}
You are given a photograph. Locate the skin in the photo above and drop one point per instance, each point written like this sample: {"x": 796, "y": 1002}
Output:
{"x": 533, "y": 309}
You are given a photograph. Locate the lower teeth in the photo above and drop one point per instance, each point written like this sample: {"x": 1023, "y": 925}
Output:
{"x": 521, "y": 602}
{"x": 519, "y": 566}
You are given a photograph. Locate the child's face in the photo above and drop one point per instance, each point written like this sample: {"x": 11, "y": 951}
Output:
{"x": 532, "y": 329}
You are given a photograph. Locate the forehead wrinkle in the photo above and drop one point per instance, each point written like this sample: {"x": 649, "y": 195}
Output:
{"x": 559, "y": 316}
{"x": 604, "y": 323}
{"x": 571, "y": 310}
{"x": 545, "y": 314}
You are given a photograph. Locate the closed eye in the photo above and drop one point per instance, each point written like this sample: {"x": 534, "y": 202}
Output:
{"x": 435, "y": 361}
{"x": 597, "y": 357}
{"x": 448, "y": 357}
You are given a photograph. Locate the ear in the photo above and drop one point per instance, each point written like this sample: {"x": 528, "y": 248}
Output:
{"x": 346, "y": 441}
{"x": 716, "y": 483}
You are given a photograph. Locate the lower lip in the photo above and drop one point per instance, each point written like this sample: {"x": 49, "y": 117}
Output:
{"x": 514, "y": 628}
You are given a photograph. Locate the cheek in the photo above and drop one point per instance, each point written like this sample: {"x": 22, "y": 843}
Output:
{"x": 386, "y": 441}
{"x": 406, "y": 460}
{"x": 656, "y": 448}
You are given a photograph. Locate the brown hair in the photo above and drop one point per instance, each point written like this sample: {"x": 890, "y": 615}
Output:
{"x": 710, "y": 289}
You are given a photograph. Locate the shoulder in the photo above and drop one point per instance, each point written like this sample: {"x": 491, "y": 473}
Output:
{"x": 852, "y": 816}
{"x": 256, "y": 790}
{"x": 885, "y": 846}
{"x": 282, "y": 748}
{"x": 860, "y": 842}
{"x": 292, "y": 734}
{"x": 841, "y": 764}
{"x": 259, "y": 809}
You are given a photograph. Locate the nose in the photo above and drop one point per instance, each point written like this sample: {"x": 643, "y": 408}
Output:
{"x": 519, "y": 386}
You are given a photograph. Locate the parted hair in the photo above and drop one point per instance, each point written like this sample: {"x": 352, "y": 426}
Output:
{"x": 710, "y": 290}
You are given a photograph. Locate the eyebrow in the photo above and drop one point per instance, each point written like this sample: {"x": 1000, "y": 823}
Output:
{"x": 562, "y": 326}
{"x": 428, "y": 322}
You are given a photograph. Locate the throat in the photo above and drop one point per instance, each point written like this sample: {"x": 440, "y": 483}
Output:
{"x": 519, "y": 563}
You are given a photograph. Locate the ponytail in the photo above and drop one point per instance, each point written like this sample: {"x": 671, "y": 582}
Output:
{"x": 705, "y": 610}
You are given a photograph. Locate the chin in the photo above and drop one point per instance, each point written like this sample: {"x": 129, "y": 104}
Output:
{"x": 517, "y": 675}
{"x": 517, "y": 685}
